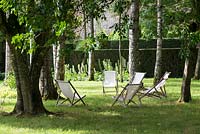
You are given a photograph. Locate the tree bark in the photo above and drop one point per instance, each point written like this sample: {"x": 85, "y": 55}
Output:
{"x": 187, "y": 75}
{"x": 134, "y": 38}
{"x": 190, "y": 62}
{"x": 8, "y": 66}
{"x": 91, "y": 53}
{"x": 197, "y": 68}
{"x": 185, "y": 88}
{"x": 27, "y": 75}
{"x": 120, "y": 55}
{"x": 158, "y": 64}
{"x": 29, "y": 100}
{"x": 59, "y": 61}
{"x": 47, "y": 88}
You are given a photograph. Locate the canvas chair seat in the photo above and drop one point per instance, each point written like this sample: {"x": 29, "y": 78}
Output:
{"x": 130, "y": 90}
{"x": 157, "y": 90}
{"x": 110, "y": 80}
{"x": 69, "y": 92}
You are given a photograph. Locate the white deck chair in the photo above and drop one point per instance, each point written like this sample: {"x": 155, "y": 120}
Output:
{"x": 157, "y": 90}
{"x": 131, "y": 89}
{"x": 137, "y": 78}
{"x": 69, "y": 92}
{"x": 110, "y": 80}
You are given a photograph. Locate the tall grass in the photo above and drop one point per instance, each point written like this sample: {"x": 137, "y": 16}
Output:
{"x": 156, "y": 116}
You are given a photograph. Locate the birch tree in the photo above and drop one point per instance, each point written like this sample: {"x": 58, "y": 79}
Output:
{"x": 158, "y": 64}
{"x": 134, "y": 38}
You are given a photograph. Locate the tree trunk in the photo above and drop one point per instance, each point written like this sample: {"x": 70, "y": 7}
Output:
{"x": 120, "y": 55}
{"x": 91, "y": 54}
{"x": 27, "y": 75}
{"x": 29, "y": 100}
{"x": 197, "y": 68}
{"x": 59, "y": 61}
{"x": 47, "y": 88}
{"x": 185, "y": 88}
{"x": 187, "y": 75}
{"x": 190, "y": 62}
{"x": 84, "y": 59}
{"x": 8, "y": 66}
{"x": 91, "y": 65}
{"x": 134, "y": 38}
{"x": 158, "y": 64}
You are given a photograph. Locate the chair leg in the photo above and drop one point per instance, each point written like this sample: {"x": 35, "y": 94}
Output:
{"x": 118, "y": 97}
{"x": 58, "y": 98}
{"x": 80, "y": 99}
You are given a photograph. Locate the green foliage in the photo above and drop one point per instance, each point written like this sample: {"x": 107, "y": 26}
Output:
{"x": 81, "y": 73}
{"x": 50, "y": 18}
{"x": 72, "y": 74}
{"x": 22, "y": 42}
{"x": 101, "y": 37}
{"x": 189, "y": 38}
{"x": 98, "y": 76}
{"x": 107, "y": 64}
{"x": 60, "y": 27}
{"x": 121, "y": 8}
{"x": 113, "y": 36}
{"x": 122, "y": 28}
{"x": 10, "y": 81}
{"x": 147, "y": 19}
{"x": 95, "y": 8}
{"x": 92, "y": 43}
{"x": 87, "y": 45}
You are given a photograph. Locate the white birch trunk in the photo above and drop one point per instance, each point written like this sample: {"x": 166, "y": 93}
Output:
{"x": 134, "y": 38}
{"x": 158, "y": 64}
{"x": 8, "y": 65}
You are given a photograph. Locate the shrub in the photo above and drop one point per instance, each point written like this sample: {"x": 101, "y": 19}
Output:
{"x": 10, "y": 81}
{"x": 82, "y": 74}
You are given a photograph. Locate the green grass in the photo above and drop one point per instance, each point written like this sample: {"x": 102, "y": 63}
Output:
{"x": 156, "y": 116}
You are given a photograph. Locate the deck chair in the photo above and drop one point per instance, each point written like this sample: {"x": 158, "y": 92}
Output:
{"x": 69, "y": 92}
{"x": 157, "y": 90}
{"x": 110, "y": 80}
{"x": 130, "y": 90}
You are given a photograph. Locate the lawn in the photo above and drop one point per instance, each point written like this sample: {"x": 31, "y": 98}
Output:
{"x": 156, "y": 116}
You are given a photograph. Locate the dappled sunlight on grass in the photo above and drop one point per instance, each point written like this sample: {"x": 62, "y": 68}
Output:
{"x": 155, "y": 116}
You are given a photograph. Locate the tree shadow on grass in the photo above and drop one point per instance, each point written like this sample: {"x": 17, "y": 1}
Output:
{"x": 100, "y": 118}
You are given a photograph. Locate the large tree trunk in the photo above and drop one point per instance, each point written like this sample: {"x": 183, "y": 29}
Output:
{"x": 197, "y": 68}
{"x": 27, "y": 75}
{"x": 47, "y": 88}
{"x": 134, "y": 38}
{"x": 29, "y": 100}
{"x": 91, "y": 54}
{"x": 190, "y": 62}
{"x": 158, "y": 64}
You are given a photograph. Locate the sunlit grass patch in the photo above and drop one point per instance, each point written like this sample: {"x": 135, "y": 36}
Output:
{"x": 155, "y": 116}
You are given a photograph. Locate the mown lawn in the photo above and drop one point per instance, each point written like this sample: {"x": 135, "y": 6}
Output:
{"x": 156, "y": 116}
